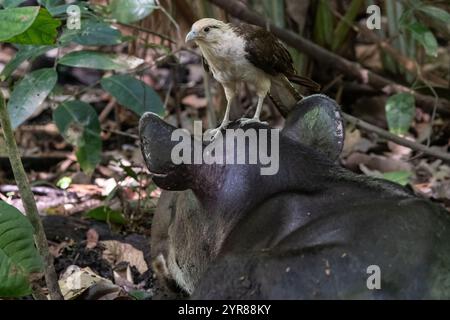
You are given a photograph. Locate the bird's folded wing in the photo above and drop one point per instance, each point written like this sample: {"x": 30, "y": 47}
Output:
{"x": 283, "y": 94}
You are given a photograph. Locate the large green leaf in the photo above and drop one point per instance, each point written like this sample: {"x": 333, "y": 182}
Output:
{"x": 78, "y": 123}
{"x": 43, "y": 30}
{"x": 92, "y": 33}
{"x": 425, "y": 37}
{"x": 18, "y": 255}
{"x": 400, "y": 111}
{"x": 11, "y": 3}
{"x": 51, "y": 3}
{"x": 59, "y": 7}
{"x": 15, "y": 21}
{"x": 128, "y": 11}
{"x": 133, "y": 94}
{"x": 400, "y": 177}
{"x": 99, "y": 60}
{"x": 29, "y": 93}
{"x": 26, "y": 52}
{"x": 436, "y": 13}
{"x": 107, "y": 214}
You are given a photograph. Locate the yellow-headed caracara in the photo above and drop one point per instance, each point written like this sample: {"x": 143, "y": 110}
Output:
{"x": 247, "y": 53}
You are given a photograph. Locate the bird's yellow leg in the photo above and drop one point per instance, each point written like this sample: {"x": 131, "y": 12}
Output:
{"x": 229, "y": 94}
{"x": 255, "y": 118}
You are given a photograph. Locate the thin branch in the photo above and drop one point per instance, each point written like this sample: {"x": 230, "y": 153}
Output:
{"x": 329, "y": 59}
{"x": 171, "y": 19}
{"x": 29, "y": 203}
{"x": 146, "y": 30}
{"x": 401, "y": 141}
{"x": 124, "y": 134}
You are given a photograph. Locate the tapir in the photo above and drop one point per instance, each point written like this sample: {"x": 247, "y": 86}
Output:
{"x": 312, "y": 230}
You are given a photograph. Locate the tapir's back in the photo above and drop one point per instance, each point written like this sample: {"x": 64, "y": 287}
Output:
{"x": 395, "y": 248}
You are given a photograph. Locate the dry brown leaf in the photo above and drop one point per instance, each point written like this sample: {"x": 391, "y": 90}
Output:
{"x": 116, "y": 252}
{"x": 76, "y": 280}
{"x": 355, "y": 142}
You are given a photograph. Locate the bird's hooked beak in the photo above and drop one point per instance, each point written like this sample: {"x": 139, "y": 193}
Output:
{"x": 191, "y": 36}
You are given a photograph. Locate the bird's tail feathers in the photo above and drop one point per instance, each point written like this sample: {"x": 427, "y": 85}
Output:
{"x": 305, "y": 82}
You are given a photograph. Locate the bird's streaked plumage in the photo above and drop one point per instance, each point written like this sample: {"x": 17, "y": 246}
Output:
{"x": 247, "y": 53}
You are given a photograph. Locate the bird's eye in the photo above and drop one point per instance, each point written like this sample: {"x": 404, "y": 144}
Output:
{"x": 206, "y": 29}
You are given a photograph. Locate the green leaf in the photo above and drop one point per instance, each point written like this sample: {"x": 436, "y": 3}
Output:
{"x": 50, "y": 3}
{"x": 107, "y": 214}
{"x": 425, "y": 37}
{"x": 400, "y": 111}
{"x": 133, "y": 94}
{"x": 99, "y": 60}
{"x": 343, "y": 28}
{"x": 29, "y": 93}
{"x": 11, "y": 3}
{"x": 323, "y": 28}
{"x": 26, "y": 52}
{"x": 129, "y": 171}
{"x": 78, "y": 123}
{"x": 18, "y": 255}
{"x": 92, "y": 33}
{"x": 15, "y": 21}
{"x": 59, "y": 7}
{"x": 127, "y": 11}
{"x": 436, "y": 13}
{"x": 43, "y": 31}
{"x": 64, "y": 182}
{"x": 400, "y": 177}
{"x": 140, "y": 294}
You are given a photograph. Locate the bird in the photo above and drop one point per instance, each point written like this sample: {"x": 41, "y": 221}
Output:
{"x": 236, "y": 53}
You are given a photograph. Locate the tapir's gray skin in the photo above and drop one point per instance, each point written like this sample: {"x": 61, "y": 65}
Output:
{"x": 308, "y": 232}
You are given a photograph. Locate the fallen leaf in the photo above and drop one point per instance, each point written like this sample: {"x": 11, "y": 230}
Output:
{"x": 76, "y": 281}
{"x": 116, "y": 252}
{"x": 355, "y": 142}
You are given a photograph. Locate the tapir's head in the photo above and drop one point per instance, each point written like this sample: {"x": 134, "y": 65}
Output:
{"x": 315, "y": 123}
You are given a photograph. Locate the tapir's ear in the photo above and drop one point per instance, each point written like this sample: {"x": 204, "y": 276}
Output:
{"x": 156, "y": 146}
{"x": 316, "y": 121}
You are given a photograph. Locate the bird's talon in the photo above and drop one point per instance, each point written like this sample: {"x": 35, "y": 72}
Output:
{"x": 214, "y": 133}
{"x": 245, "y": 121}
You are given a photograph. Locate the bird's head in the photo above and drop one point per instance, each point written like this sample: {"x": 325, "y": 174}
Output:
{"x": 207, "y": 30}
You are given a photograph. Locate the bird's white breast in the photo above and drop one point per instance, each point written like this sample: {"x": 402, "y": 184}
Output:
{"x": 227, "y": 60}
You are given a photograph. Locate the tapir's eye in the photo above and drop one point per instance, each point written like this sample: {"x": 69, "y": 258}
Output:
{"x": 207, "y": 29}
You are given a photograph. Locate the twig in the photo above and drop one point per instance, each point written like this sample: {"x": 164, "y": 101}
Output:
{"x": 143, "y": 29}
{"x": 107, "y": 110}
{"x": 327, "y": 58}
{"x": 29, "y": 203}
{"x": 171, "y": 19}
{"x": 121, "y": 133}
{"x": 389, "y": 136}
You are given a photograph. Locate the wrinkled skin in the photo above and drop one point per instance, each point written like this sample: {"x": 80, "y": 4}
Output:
{"x": 308, "y": 232}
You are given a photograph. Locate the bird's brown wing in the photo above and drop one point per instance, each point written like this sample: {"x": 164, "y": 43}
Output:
{"x": 266, "y": 52}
